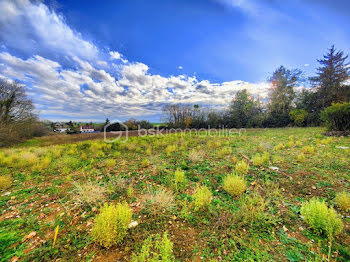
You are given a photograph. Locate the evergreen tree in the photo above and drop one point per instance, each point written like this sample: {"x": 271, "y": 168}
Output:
{"x": 332, "y": 75}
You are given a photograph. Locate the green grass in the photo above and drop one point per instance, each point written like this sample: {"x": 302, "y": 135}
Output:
{"x": 263, "y": 224}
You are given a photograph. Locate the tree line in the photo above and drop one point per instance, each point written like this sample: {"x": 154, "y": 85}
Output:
{"x": 286, "y": 104}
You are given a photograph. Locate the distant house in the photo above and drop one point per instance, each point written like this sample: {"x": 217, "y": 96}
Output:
{"x": 61, "y": 129}
{"x": 87, "y": 129}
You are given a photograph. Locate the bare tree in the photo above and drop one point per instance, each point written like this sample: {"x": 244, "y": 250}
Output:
{"x": 14, "y": 104}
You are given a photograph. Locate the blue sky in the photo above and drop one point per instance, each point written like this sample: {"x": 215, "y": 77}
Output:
{"x": 88, "y": 60}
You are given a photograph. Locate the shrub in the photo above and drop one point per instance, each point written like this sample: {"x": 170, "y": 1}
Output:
{"x": 343, "y": 201}
{"x": 145, "y": 162}
{"x": 195, "y": 155}
{"x": 224, "y": 152}
{"x": 279, "y": 147}
{"x": 111, "y": 224}
{"x": 157, "y": 249}
{"x": 301, "y": 158}
{"x": 110, "y": 163}
{"x": 160, "y": 201}
{"x": 169, "y": 149}
{"x": 308, "y": 149}
{"x": 202, "y": 198}
{"x": 180, "y": 180}
{"x": 321, "y": 218}
{"x": 337, "y": 116}
{"x": 289, "y": 144}
{"x": 242, "y": 168}
{"x": 5, "y": 182}
{"x": 254, "y": 212}
{"x": 298, "y": 116}
{"x": 234, "y": 185}
{"x": 257, "y": 160}
{"x": 266, "y": 156}
{"x": 89, "y": 193}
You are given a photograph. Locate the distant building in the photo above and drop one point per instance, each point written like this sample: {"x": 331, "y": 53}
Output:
{"x": 87, "y": 129}
{"x": 61, "y": 129}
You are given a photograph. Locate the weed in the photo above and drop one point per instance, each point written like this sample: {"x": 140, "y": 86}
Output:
{"x": 5, "y": 182}
{"x": 234, "y": 185}
{"x": 111, "y": 224}
{"x": 202, "y": 198}
{"x": 308, "y": 150}
{"x": 180, "y": 180}
{"x": 110, "y": 163}
{"x": 279, "y": 147}
{"x": 257, "y": 160}
{"x": 157, "y": 249}
{"x": 321, "y": 218}
{"x": 266, "y": 156}
{"x": 89, "y": 193}
{"x": 301, "y": 158}
{"x": 242, "y": 167}
{"x": 159, "y": 201}
{"x": 343, "y": 201}
{"x": 145, "y": 163}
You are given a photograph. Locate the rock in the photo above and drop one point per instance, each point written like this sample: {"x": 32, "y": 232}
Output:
{"x": 342, "y": 147}
{"x": 6, "y": 194}
{"x": 274, "y": 168}
{"x": 133, "y": 224}
{"x": 313, "y": 187}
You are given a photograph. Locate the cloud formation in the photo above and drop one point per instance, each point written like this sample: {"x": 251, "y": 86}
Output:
{"x": 69, "y": 77}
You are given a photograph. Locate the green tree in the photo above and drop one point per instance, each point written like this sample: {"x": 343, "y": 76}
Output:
{"x": 244, "y": 111}
{"x": 331, "y": 79}
{"x": 282, "y": 93}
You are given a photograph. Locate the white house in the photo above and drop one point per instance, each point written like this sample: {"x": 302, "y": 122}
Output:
{"x": 87, "y": 129}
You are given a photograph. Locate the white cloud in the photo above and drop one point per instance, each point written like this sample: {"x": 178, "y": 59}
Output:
{"x": 115, "y": 55}
{"x": 94, "y": 84}
{"x": 33, "y": 28}
{"x": 306, "y": 65}
{"x": 180, "y": 67}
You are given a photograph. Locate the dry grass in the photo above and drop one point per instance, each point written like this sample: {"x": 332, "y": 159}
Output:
{"x": 89, "y": 193}
{"x": 159, "y": 201}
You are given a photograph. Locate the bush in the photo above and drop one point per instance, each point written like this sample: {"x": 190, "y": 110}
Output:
{"x": 234, "y": 185}
{"x": 337, "y": 116}
{"x": 5, "y": 182}
{"x": 111, "y": 224}
{"x": 343, "y": 201}
{"x": 301, "y": 158}
{"x": 257, "y": 160}
{"x": 321, "y": 218}
{"x": 145, "y": 162}
{"x": 110, "y": 163}
{"x": 242, "y": 168}
{"x": 308, "y": 149}
{"x": 298, "y": 116}
{"x": 157, "y": 249}
{"x": 202, "y": 198}
{"x": 180, "y": 180}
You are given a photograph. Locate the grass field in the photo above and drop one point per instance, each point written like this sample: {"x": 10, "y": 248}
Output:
{"x": 52, "y": 195}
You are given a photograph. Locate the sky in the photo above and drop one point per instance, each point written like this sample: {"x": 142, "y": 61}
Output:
{"x": 87, "y": 60}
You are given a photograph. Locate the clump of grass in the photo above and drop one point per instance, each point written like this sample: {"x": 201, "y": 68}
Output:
{"x": 279, "y": 147}
{"x": 89, "y": 193}
{"x": 321, "y": 218}
{"x": 235, "y": 185}
{"x": 110, "y": 163}
{"x": 5, "y": 182}
{"x": 242, "y": 167}
{"x": 308, "y": 149}
{"x": 234, "y": 160}
{"x": 257, "y": 160}
{"x": 224, "y": 152}
{"x": 301, "y": 158}
{"x": 111, "y": 224}
{"x": 157, "y": 249}
{"x": 254, "y": 212}
{"x": 116, "y": 184}
{"x": 180, "y": 180}
{"x": 145, "y": 162}
{"x": 148, "y": 151}
{"x": 289, "y": 144}
{"x": 27, "y": 159}
{"x": 266, "y": 157}
{"x": 170, "y": 149}
{"x": 159, "y": 201}
{"x": 195, "y": 155}
{"x": 343, "y": 201}
{"x": 326, "y": 141}
{"x": 202, "y": 198}
{"x": 130, "y": 191}
{"x": 298, "y": 143}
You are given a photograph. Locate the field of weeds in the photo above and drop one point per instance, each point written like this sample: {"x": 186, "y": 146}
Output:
{"x": 263, "y": 195}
